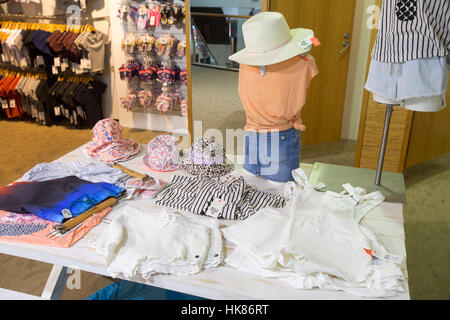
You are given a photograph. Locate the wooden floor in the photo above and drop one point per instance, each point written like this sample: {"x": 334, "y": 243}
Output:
{"x": 427, "y": 219}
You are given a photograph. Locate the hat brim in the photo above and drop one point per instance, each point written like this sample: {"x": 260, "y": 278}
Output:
{"x": 212, "y": 171}
{"x": 105, "y": 157}
{"x": 289, "y": 50}
{"x": 168, "y": 168}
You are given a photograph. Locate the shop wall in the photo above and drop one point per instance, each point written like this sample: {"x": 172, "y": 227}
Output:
{"x": 95, "y": 9}
{"x": 357, "y": 70}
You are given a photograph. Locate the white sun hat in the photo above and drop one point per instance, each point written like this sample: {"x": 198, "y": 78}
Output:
{"x": 268, "y": 40}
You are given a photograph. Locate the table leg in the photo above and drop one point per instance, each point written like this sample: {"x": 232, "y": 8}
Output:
{"x": 56, "y": 283}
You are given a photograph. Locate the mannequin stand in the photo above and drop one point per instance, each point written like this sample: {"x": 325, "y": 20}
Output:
{"x": 387, "y": 122}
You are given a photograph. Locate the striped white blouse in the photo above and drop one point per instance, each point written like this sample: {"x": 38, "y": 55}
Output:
{"x": 196, "y": 194}
{"x": 412, "y": 29}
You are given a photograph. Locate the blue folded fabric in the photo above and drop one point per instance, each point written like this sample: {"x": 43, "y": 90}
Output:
{"x": 127, "y": 290}
{"x": 47, "y": 199}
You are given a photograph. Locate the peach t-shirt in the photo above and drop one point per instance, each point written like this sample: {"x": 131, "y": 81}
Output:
{"x": 274, "y": 101}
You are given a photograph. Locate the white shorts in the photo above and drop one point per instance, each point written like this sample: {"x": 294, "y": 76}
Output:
{"x": 419, "y": 85}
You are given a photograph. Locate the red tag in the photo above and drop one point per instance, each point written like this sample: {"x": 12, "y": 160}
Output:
{"x": 370, "y": 252}
{"x": 315, "y": 42}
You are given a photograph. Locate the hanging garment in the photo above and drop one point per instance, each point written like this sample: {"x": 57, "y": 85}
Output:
{"x": 30, "y": 229}
{"x": 90, "y": 171}
{"x": 419, "y": 78}
{"x": 47, "y": 199}
{"x": 317, "y": 241}
{"x": 412, "y": 29}
{"x": 199, "y": 194}
{"x": 143, "y": 242}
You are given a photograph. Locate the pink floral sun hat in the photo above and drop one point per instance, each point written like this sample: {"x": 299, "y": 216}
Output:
{"x": 108, "y": 144}
{"x": 162, "y": 154}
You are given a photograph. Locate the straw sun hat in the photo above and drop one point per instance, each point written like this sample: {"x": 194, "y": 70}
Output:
{"x": 268, "y": 40}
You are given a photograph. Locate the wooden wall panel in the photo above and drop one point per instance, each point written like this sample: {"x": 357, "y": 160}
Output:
{"x": 373, "y": 132}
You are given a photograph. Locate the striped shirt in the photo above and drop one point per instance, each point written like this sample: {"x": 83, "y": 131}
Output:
{"x": 196, "y": 194}
{"x": 412, "y": 29}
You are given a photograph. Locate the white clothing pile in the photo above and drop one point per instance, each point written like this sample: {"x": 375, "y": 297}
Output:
{"x": 316, "y": 241}
{"x": 90, "y": 171}
{"x": 143, "y": 242}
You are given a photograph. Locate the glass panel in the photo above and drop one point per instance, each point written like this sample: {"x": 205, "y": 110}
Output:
{"x": 217, "y": 30}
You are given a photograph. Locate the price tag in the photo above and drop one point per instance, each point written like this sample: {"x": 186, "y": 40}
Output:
{"x": 4, "y": 104}
{"x": 88, "y": 64}
{"x": 57, "y": 110}
{"x": 55, "y": 69}
{"x": 215, "y": 208}
{"x": 57, "y": 61}
{"x": 152, "y": 21}
{"x": 305, "y": 43}
{"x": 40, "y": 60}
{"x": 12, "y": 103}
{"x": 23, "y": 62}
{"x": 65, "y": 63}
{"x": 66, "y": 213}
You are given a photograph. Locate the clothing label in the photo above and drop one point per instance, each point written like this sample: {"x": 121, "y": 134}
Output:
{"x": 152, "y": 20}
{"x": 80, "y": 112}
{"x": 215, "y": 208}
{"x": 384, "y": 256}
{"x": 55, "y": 69}
{"x": 4, "y": 104}
{"x": 57, "y": 111}
{"x": 63, "y": 67}
{"x": 66, "y": 213}
{"x": 40, "y": 60}
{"x": 12, "y": 103}
{"x": 23, "y": 62}
{"x": 308, "y": 42}
{"x": 57, "y": 61}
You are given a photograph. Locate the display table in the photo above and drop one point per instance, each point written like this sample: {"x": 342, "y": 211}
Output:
{"x": 223, "y": 282}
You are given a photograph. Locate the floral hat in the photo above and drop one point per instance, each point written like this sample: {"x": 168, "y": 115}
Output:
{"x": 162, "y": 154}
{"x": 108, "y": 144}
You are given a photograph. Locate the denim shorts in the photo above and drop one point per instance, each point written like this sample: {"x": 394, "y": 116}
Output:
{"x": 272, "y": 155}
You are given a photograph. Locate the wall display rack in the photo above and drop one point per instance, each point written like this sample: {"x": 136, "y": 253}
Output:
{"x": 150, "y": 47}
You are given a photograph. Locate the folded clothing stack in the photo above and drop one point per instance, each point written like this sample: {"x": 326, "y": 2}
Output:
{"x": 50, "y": 198}
{"x": 227, "y": 197}
{"x": 317, "y": 242}
{"x": 141, "y": 242}
{"x": 89, "y": 171}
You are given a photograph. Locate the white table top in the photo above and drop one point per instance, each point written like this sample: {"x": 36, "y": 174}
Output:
{"x": 223, "y": 282}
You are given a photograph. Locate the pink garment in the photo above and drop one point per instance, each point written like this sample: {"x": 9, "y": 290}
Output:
{"x": 40, "y": 237}
{"x": 108, "y": 144}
